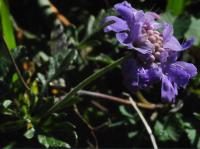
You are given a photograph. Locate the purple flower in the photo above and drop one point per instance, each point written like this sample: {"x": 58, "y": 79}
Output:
{"x": 170, "y": 41}
{"x": 131, "y": 29}
{"x": 172, "y": 74}
{"x": 137, "y": 76}
{"x": 176, "y": 74}
{"x": 156, "y": 48}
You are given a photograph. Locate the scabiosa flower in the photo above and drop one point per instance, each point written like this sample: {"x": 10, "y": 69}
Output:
{"x": 133, "y": 28}
{"x": 156, "y": 48}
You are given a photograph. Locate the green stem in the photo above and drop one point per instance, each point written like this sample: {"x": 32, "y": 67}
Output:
{"x": 84, "y": 83}
{"x": 142, "y": 98}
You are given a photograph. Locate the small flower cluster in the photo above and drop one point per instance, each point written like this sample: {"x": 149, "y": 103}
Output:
{"x": 156, "y": 48}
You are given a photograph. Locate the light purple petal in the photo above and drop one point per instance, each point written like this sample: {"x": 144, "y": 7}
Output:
{"x": 125, "y": 10}
{"x": 169, "y": 56}
{"x": 188, "y": 43}
{"x": 151, "y": 16}
{"x": 136, "y": 32}
{"x": 176, "y": 72}
{"x": 139, "y": 16}
{"x": 188, "y": 67}
{"x": 164, "y": 56}
{"x": 155, "y": 73}
{"x": 167, "y": 31}
{"x": 143, "y": 78}
{"x": 144, "y": 48}
{"x": 168, "y": 91}
{"x": 173, "y": 44}
{"x": 121, "y": 37}
{"x": 135, "y": 40}
{"x": 173, "y": 56}
{"x": 118, "y": 26}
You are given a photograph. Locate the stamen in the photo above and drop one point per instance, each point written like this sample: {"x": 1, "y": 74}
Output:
{"x": 152, "y": 58}
{"x": 157, "y": 46}
{"x": 150, "y": 32}
{"x": 161, "y": 49}
{"x": 157, "y": 55}
{"x": 152, "y": 39}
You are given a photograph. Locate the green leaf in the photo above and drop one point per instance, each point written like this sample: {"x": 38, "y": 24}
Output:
{"x": 9, "y": 146}
{"x": 7, "y": 103}
{"x": 165, "y": 133}
{"x": 90, "y": 25}
{"x": 29, "y": 134}
{"x": 7, "y": 27}
{"x": 15, "y": 77}
{"x": 176, "y": 6}
{"x": 181, "y": 25}
{"x": 124, "y": 112}
{"x": 41, "y": 78}
{"x": 52, "y": 142}
{"x": 132, "y": 134}
{"x": 116, "y": 124}
{"x": 191, "y": 133}
{"x": 194, "y": 30}
{"x": 197, "y": 116}
{"x": 62, "y": 59}
{"x": 102, "y": 58}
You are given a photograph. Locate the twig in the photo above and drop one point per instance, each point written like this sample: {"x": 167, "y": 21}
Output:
{"x": 148, "y": 128}
{"x": 99, "y": 106}
{"x": 5, "y": 47}
{"x": 119, "y": 100}
{"x": 60, "y": 17}
{"x": 52, "y": 14}
{"x": 88, "y": 125}
{"x": 141, "y": 97}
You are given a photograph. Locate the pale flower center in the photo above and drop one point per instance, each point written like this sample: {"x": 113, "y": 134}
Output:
{"x": 155, "y": 38}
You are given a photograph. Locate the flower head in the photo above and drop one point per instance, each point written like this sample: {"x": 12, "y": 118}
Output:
{"x": 132, "y": 27}
{"x": 157, "y": 51}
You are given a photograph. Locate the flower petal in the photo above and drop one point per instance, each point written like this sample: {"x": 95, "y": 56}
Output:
{"x": 151, "y": 16}
{"x": 125, "y": 10}
{"x": 163, "y": 56}
{"x": 188, "y": 67}
{"x": 167, "y": 31}
{"x": 169, "y": 56}
{"x": 155, "y": 73}
{"x": 139, "y": 16}
{"x": 130, "y": 74}
{"x": 144, "y": 81}
{"x": 121, "y": 37}
{"x": 173, "y": 44}
{"x": 188, "y": 43}
{"x": 168, "y": 91}
{"x": 118, "y": 26}
{"x": 177, "y": 73}
{"x": 135, "y": 33}
{"x": 144, "y": 48}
